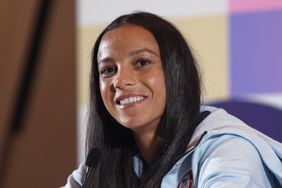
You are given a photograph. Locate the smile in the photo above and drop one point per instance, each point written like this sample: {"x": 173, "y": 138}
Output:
{"x": 131, "y": 100}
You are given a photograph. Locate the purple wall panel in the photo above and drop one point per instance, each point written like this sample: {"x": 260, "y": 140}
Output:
{"x": 256, "y": 52}
{"x": 262, "y": 117}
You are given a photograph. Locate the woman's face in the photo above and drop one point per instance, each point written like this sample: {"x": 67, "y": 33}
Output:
{"x": 131, "y": 80}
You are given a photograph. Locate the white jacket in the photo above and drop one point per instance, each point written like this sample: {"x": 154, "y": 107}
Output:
{"x": 223, "y": 152}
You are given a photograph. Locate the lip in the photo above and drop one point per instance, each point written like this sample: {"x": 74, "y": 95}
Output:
{"x": 118, "y": 99}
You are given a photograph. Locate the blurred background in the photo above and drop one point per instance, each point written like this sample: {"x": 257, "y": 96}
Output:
{"x": 45, "y": 49}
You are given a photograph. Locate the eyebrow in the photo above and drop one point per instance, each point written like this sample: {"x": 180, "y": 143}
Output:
{"x": 142, "y": 50}
{"x": 131, "y": 53}
{"x": 105, "y": 60}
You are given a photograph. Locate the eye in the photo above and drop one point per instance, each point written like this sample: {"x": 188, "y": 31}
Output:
{"x": 142, "y": 62}
{"x": 107, "y": 71}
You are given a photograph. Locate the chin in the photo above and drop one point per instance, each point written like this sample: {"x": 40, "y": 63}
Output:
{"x": 140, "y": 124}
{"x": 131, "y": 125}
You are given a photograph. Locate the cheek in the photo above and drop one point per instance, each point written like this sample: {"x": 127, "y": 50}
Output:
{"x": 158, "y": 87}
{"x": 161, "y": 88}
{"x": 105, "y": 91}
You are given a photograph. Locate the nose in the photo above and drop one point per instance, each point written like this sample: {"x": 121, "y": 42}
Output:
{"x": 124, "y": 78}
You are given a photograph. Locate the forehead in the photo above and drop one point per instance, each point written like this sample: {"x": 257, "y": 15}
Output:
{"x": 127, "y": 37}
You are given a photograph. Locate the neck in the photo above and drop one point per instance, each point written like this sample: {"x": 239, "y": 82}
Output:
{"x": 146, "y": 145}
{"x": 145, "y": 138}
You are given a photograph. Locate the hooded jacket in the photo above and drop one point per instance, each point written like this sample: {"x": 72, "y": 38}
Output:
{"x": 223, "y": 152}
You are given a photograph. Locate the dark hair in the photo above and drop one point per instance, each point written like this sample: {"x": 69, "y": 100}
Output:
{"x": 176, "y": 127}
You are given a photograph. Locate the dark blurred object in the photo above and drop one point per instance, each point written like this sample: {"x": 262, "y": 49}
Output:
{"x": 30, "y": 66}
{"x": 23, "y": 94}
{"x": 93, "y": 158}
{"x": 37, "y": 93}
{"x": 92, "y": 162}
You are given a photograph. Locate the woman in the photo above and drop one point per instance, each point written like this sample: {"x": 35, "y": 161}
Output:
{"x": 146, "y": 123}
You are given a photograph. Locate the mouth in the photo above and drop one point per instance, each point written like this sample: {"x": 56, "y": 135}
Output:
{"x": 126, "y": 101}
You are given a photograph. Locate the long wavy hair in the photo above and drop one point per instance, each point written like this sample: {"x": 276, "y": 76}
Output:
{"x": 183, "y": 95}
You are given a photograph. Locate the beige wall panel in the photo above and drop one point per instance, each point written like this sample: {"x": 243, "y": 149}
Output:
{"x": 86, "y": 39}
{"x": 208, "y": 36}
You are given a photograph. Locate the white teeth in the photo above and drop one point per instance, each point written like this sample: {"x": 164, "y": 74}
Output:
{"x": 131, "y": 100}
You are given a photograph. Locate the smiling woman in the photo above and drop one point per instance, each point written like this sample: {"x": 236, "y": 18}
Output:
{"x": 133, "y": 81}
{"x": 146, "y": 125}
{"x": 132, "y": 84}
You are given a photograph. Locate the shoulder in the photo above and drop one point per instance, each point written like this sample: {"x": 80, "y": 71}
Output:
{"x": 76, "y": 178}
{"x": 233, "y": 154}
{"x": 229, "y": 160}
